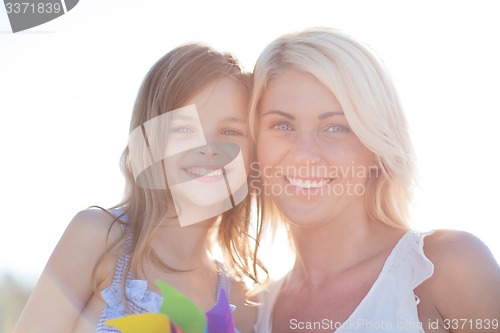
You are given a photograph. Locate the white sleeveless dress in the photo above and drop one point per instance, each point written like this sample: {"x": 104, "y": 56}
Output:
{"x": 389, "y": 306}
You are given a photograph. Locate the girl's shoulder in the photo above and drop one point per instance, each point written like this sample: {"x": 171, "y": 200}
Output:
{"x": 68, "y": 282}
{"x": 90, "y": 234}
{"x": 94, "y": 225}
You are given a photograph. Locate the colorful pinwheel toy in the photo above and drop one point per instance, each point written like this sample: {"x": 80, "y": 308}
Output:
{"x": 178, "y": 314}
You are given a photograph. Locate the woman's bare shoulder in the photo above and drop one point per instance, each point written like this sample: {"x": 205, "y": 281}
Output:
{"x": 466, "y": 275}
{"x": 456, "y": 250}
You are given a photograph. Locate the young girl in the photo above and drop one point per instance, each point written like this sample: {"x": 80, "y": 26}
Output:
{"x": 338, "y": 161}
{"x": 189, "y": 148}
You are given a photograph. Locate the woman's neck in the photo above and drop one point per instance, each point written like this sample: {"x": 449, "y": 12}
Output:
{"x": 327, "y": 250}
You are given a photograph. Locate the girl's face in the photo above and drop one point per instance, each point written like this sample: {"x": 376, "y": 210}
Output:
{"x": 212, "y": 173}
{"x": 313, "y": 166}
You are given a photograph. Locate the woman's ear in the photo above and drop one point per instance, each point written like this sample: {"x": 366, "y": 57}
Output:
{"x": 375, "y": 168}
{"x": 374, "y": 171}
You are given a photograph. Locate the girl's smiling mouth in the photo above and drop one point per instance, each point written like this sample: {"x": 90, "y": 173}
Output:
{"x": 205, "y": 173}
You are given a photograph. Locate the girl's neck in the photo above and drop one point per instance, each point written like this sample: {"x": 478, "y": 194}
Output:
{"x": 184, "y": 251}
{"x": 184, "y": 248}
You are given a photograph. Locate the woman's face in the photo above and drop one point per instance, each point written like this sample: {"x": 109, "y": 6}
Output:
{"x": 208, "y": 174}
{"x": 313, "y": 166}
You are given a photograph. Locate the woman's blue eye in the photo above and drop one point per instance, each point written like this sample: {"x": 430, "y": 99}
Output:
{"x": 336, "y": 129}
{"x": 283, "y": 127}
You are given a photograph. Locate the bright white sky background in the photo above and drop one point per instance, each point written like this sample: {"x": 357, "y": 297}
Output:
{"x": 67, "y": 89}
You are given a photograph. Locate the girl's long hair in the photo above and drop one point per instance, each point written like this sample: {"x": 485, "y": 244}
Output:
{"x": 169, "y": 84}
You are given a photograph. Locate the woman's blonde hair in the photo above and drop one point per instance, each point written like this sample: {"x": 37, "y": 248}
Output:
{"x": 169, "y": 84}
{"x": 368, "y": 98}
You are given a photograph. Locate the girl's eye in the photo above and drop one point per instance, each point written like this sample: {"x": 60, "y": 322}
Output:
{"x": 182, "y": 129}
{"x": 282, "y": 127}
{"x": 230, "y": 131}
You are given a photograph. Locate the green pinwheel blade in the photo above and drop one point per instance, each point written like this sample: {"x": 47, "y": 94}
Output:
{"x": 181, "y": 310}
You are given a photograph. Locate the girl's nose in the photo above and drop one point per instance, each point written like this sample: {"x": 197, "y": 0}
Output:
{"x": 210, "y": 150}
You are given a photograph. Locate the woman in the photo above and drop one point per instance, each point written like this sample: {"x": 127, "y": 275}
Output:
{"x": 188, "y": 139}
{"x": 337, "y": 164}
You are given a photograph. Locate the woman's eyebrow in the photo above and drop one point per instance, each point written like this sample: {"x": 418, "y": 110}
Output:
{"x": 292, "y": 117}
{"x": 281, "y": 113}
{"x": 330, "y": 114}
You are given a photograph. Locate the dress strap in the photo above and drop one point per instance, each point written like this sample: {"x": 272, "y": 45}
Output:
{"x": 124, "y": 257}
{"x": 223, "y": 282}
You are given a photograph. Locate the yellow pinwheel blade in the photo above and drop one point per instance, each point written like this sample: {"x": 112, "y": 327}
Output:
{"x": 142, "y": 323}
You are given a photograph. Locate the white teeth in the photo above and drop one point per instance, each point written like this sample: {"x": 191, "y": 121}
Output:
{"x": 205, "y": 172}
{"x": 308, "y": 183}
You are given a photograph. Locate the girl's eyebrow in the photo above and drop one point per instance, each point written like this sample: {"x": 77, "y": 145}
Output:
{"x": 183, "y": 117}
{"x": 292, "y": 117}
{"x": 235, "y": 120}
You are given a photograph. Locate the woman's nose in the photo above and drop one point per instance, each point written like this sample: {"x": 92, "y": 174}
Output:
{"x": 305, "y": 149}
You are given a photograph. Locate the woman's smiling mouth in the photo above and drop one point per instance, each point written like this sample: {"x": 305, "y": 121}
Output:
{"x": 308, "y": 183}
{"x": 307, "y": 186}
